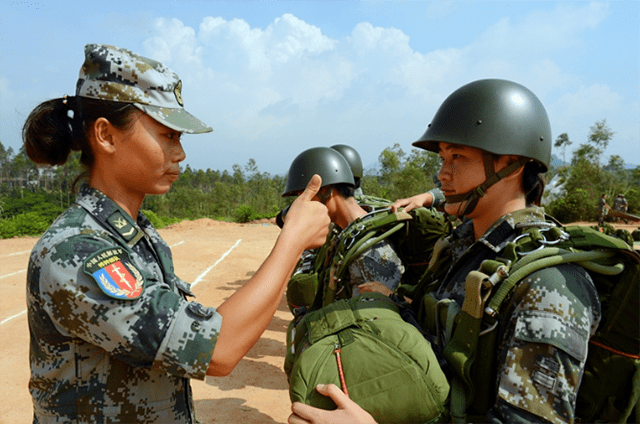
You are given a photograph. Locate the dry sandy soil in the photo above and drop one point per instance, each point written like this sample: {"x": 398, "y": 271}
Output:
{"x": 218, "y": 258}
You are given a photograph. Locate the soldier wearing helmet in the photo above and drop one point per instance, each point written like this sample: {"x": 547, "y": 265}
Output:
{"x": 620, "y": 204}
{"x": 355, "y": 164}
{"x": 494, "y": 139}
{"x": 337, "y": 194}
{"x": 432, "y": 198}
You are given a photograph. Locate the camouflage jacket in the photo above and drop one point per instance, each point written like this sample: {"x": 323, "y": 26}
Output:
{"x": 601, "y": 205}
{"x": 380, "y": 263}
{"x": 113, "y": 338}
{"x": 549, "y": 321}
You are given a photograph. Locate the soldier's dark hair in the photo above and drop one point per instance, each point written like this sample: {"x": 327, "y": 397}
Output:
{"x": 533, "y": 183}
{"x": 56, "y": 127}
{"x": 345, "y": 190}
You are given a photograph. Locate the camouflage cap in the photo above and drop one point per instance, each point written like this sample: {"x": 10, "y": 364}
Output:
{"x": 115, "y": 74}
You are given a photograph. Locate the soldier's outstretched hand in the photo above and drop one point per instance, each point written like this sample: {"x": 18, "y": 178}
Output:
{"x": 308, "y": 220}
{"x": 348, "y": 411}
{"x": 413, "y": 202}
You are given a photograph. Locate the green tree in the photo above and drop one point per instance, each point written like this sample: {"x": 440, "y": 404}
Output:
{"x": 600, "y": 136}
{"x": 586, "y": 152}
{"x": 403, "y": 175}
{"x": 563, "y": 142}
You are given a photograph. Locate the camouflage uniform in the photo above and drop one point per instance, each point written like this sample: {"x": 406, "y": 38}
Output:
{"x": 620, "y": 205}
{"x": 380, "y": 263}
{"x": 602, "y": 211}
{"x": 113, "y": 338}
{"x": 549, "y": 321}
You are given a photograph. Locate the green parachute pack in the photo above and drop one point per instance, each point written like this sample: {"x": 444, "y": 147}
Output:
{"x": 381, "y": 362}
{"x": 363, "y": 344}
{"x": 610, "y": 388}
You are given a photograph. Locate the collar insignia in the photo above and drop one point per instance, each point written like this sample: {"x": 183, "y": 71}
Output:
{"x": 122, "y": 225}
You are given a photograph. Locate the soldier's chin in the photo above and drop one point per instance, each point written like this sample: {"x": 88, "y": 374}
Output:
{"x": 455, "y": 208}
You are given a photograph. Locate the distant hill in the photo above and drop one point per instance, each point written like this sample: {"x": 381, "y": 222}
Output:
{"x": 556, "y": 162}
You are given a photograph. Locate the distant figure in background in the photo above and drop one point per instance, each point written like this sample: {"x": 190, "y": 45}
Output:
{"x": 602, "y": 209}
{"x": 620, "y": 205}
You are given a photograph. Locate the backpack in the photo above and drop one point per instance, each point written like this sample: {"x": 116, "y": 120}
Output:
{"x": 365, "y": 347}
{"x": 413, "y": 234}
{"x": 610, "y": 388}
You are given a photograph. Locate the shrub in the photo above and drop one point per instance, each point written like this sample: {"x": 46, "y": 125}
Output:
{"x": 25, "y": 224}
{"x": 245, "y": 213}
{"x": 577, "y": 205}
{"x": 155, "y": 220}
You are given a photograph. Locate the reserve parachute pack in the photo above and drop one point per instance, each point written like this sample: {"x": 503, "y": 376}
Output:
{"x": 413, "y": 235}
{"x": 610, "y": 387}
{"x": 363, "y": 344}
{"x": 382, "y": 363}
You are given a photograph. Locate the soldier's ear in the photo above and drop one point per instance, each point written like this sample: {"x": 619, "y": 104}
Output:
{"x": 505, "y": 160}
{"x": 104, "y": 135}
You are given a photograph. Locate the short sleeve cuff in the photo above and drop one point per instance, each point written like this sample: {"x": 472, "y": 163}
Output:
{"x": 187, "y": 348}
{"x": 438, "y": 197}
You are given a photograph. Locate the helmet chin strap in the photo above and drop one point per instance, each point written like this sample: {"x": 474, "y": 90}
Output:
{"x": 325, "y": 194}
{"x": 472, "y": 197}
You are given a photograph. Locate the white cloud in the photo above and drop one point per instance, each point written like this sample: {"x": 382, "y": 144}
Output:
{"x": 595, "y": 100}
{"x": 289, "y": 61}
{"x": 293, "y": 38}
{"x": 290, "y": 85}
{"x": 542, "y": 30}
{"x": 175, "y": 43}
{"x": 575, "y": 112}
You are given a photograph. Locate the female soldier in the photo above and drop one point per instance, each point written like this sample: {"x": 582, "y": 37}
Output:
{"x": 494, "y": 139}
{"x": 113, "y": 338}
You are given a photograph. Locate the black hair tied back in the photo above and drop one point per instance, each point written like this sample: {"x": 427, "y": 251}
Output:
{"x": 47, "y": 133}
{"x": 533, "y": 183}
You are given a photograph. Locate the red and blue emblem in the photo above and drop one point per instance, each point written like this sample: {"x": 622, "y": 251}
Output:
{"x": 116, "y": 276}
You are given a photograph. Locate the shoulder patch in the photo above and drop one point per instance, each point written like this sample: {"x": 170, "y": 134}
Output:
{"x": 116, "y": 276}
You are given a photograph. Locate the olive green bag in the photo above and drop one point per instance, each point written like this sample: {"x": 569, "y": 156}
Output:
{"x": 365, "y": 347}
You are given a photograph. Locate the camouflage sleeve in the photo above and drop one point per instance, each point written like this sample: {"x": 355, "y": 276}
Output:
{"x": 157, "y": 328}
{"x": 380, "y": 263}
{"x": 438, "y": 197}
{"x": 553, "y": 313}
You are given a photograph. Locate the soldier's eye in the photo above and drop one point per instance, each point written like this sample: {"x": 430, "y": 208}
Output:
{"x": 175, "y": 136}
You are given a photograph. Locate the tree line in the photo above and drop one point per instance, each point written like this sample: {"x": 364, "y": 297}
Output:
{"x": 31, "y": 197}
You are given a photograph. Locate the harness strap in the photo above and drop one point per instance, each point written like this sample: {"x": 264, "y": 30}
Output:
{"x": 463, "y": 350}
{"x": 361, "y": 235}
{"x": 548, "y": 257}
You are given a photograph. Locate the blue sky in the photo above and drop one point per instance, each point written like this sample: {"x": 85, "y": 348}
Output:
{"x": 276, "y": 77}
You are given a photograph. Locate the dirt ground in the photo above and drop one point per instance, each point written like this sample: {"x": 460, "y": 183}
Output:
{"x": 218, "y": 258}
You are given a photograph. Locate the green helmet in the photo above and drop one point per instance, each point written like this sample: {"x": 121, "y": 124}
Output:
{"x": 352, "y": 157}
{"x": 324, "y": 161}
{"x": 497, "y": 116}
